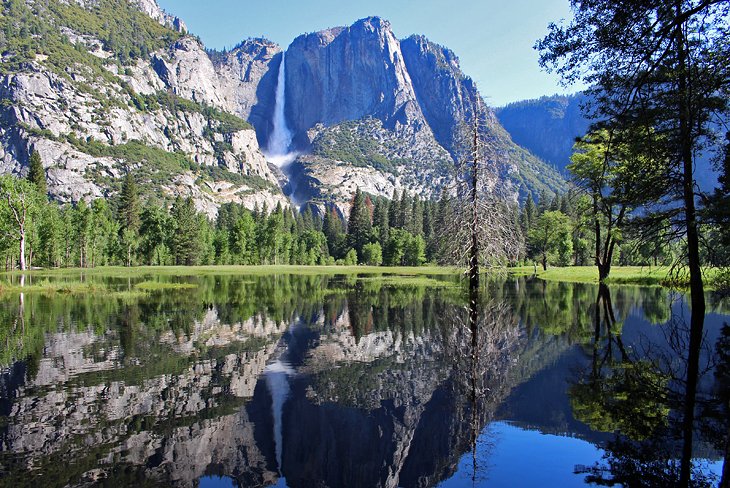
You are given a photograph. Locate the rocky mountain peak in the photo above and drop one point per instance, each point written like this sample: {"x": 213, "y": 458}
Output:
{"x": 256, "y": 48}
{"x": 440, "y": 54}
{"x": 151, "y": 8}
{"x": 372, "y": 24}
{"x": 346, "y": 74}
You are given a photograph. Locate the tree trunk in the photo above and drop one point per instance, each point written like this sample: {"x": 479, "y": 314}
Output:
{"x": 22, "y": 250}
{"x": 697, "y": 294}
{"x": 474, "y": 249}
{"x": 544, "y": 262}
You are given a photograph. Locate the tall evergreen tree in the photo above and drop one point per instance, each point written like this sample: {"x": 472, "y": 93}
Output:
{"x": 129, "y": 205}
{"x": 128, "y": 212}
{"x": 359, "y": 225}
{"x": 334, "y": 233}
{"x": 393, "y": 210}
{"x": 416, "y": 217}
{"x": 404, "y": 210}
{"x": 186, "y": 245}
{"x": 37, "y": 174}
{"x": 529, "y": 214}
{"x": 380, "y": 220}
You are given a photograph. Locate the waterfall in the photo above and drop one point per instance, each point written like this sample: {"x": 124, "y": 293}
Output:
{"x": 280, "y": 139}
{"x": 277, "y": 381}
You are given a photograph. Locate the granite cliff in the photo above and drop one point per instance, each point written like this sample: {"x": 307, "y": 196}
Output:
{"x": 112, "y": 86}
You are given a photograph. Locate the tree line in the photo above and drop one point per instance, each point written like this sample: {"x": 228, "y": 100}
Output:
{"x": 554, "y": 230}
{"x": 130, "y": 230}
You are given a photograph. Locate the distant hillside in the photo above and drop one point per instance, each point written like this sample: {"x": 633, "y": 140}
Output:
{"x": 547, "y": 127}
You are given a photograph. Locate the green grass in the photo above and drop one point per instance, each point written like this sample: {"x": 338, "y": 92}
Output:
{"x": 44, "y": 287}
{"x": 401, "y": 275}
{"x": 158, "y": 285}
{"x": 141, "y": 271}
{"x": 620, "y": 275}
{"x": 70, "y": 288}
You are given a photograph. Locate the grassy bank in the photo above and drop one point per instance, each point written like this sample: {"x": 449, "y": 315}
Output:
{"x": 145, "y": 279}
{"x": 620, "y": 275}
{"x": 123, "y": 272}
{"x": 73, "y": 280}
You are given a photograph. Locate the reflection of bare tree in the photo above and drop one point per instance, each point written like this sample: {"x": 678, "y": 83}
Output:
{"x": 482, "y": 343}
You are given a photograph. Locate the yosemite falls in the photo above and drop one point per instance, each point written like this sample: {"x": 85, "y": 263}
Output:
{"x": 277, "y": 151}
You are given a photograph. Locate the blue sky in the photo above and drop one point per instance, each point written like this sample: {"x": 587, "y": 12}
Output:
{"x": 493, "y": 39}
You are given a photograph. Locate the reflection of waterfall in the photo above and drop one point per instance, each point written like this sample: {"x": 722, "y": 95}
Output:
{"x": 278, "y": 383}
{"x": 278, "y": 149}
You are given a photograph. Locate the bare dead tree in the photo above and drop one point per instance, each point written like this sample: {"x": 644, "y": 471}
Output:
{"x": 476, "y": 226}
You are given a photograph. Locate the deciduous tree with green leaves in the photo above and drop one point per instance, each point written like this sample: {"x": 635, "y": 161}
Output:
{"x": 551, "y": 238}
{"x": 20, "y": 204}
{"x": 656, "y": 67}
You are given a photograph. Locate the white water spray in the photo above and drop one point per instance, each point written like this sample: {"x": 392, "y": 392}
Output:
{"x": 280, "y": 139}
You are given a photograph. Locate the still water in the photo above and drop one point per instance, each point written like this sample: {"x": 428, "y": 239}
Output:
{"x": 353, "y": 381}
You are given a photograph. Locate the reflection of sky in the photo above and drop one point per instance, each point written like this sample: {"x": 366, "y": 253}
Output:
{"x": 216, "y": 482}
{"x": 513, "y": 457}
{"x": 226, "y": 482}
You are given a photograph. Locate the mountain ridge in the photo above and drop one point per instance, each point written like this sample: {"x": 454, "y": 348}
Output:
{"x": 142, "y": 96}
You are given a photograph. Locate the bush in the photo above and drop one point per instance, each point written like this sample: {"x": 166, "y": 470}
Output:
{"x": 372, "y": 254}
{"x": 350, "y": 258}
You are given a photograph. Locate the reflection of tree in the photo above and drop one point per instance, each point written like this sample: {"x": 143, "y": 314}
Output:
{"x": 650, "y": 463}
{"x": 619, "y": 394}
{"x": 483, "y": 339}
{"x": 716, "y": 413}
{"x": 635, "y": 396}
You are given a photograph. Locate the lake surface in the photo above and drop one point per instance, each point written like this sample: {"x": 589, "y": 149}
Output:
{"x": 309, "y": 380}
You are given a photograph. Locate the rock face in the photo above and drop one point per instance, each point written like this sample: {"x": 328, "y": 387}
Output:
{"x": 349, "y": 73}
{"x": 187, "y": 71}
{"x": 248, "y": 73}
{"x": 366, "y": 110}
{"x": 444, "y": 94}
{"x": 371, "y": 111}
{"x": 171, "y": 105}
{"x": 151, "y": 8}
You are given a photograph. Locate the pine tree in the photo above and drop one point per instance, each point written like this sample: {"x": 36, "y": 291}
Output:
{"x": 529, "y": 213}
{"x": 543, "y": 202}
{"x": 380, "y": 220}
{"x": 36, "y": 173}
{"x": 334, "y": 233}
{"x": 404, "y": 210}
{"x": 416, "y": 218}
{"x": 359, "y": 225}
{"x": 393, "y": 210}
{"x": 186, "y": 243}
{"x": 129, "y": 206}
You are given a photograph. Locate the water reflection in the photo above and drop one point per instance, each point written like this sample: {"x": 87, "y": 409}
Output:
{"x": 647, "y": 396}
{"x": 339, "y": 381}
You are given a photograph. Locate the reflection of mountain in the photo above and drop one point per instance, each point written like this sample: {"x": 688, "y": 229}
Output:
{"x": 188, "y": 405}
{"x": 86, "y": 402}
{"x": 553, "y": 414}
{"x": 370, "y": 387}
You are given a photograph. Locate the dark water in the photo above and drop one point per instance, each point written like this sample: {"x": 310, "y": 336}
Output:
{"x": 343, "y": 381}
